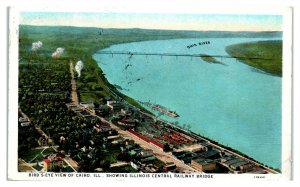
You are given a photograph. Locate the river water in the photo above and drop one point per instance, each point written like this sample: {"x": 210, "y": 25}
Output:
{"x": 234, "y": 104}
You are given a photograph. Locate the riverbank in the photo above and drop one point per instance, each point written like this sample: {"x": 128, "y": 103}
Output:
{"x": 264, "y": 55}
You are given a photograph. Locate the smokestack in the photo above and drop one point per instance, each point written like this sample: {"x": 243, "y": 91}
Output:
{"x": 59, "y": 51}
{"x": 78, "y": 67}
{"x": 36, "y": 45}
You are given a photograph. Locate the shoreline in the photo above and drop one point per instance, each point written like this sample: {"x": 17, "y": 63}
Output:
{"x": 269, "y": 62}
{"x": 195, "y": 134}
{"x": 217, "y": 144}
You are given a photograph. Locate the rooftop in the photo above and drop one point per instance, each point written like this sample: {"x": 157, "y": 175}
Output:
{"x": 208, "y": 154}
{"x": 203, "y": 161}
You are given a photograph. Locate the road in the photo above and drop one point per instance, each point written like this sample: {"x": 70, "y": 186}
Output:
{"x": 73, "y": 84}
{"x": 73, "y": 164}
{"x": 119, "y": 164}
{"x": 23, "y": 166}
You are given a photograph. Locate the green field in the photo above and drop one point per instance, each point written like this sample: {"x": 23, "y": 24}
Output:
{"x": 33, "y": 154}
{"x": 264, "y": 55}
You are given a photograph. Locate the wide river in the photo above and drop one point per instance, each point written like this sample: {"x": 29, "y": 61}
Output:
{"x": 234, "y": 104}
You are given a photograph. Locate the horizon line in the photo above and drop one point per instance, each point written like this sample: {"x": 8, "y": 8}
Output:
{"x": 190, "y": 30}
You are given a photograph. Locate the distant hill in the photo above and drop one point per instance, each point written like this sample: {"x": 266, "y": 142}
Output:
{"x": 148, "y": 32}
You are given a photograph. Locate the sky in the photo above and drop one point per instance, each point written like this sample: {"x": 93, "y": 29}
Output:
{"x": 198, "y": 22}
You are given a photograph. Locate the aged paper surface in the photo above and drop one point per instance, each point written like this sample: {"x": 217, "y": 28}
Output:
{"x": 115, "y": 93}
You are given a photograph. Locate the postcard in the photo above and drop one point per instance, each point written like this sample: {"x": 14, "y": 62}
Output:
{"x": 107, "y": 94}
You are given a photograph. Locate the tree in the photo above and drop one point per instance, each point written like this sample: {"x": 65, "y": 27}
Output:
{"x": 176, "y": 123}
{"x": 105, "y": 164}
{"x": 167, "y": 147}
{"x": 188, "y": 127}
{"x": 124, "y": 157}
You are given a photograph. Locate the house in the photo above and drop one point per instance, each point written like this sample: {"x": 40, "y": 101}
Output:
{"x": 116, "y": 142}
{"x": 114, "y": 105}
{"x": 147, "y": 159}
{"x": 113, "y": 138}
{"x": 169, "y": 167}
{"x": 87, "y": 105}
{"x": 53, "y": 162}
{"x": 102, "y": 110}
{"x": 84, "y": 113}
{"x": 129, "y": 142}
{"x": 62, "y": 139}
{"x": 146, "y": 153}
{"x": 134, "y": 165}
{"x": 126, "y": 112}
{"x": 128, "y": 123}
{"x": 203, "y": 165}
{"x": 132, "y": 153}
{"x": 126, "y": 148}
{"x": 102, "y": 127}
{"x": 25, "y": 124}
{"x": 23, "y": 119}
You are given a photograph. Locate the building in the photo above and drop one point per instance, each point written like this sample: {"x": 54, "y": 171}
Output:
{"x": 150, "y": 141}
{"x": 84, "y": 114}
{"x": 126, "y": 112}
{"x": 146, "y": 153}
{"x": 114, "y": 105}
{"x": 102, "y": 127}
{"x": 87, "y": 105}
{"x": 53, "y": 163}
{"x": 231, "y": 162}
{"x": 203, "y": 165}
{"x": 236, "y": 164}
{"x": 113, "y": 138}
{"x": 134, "y": 165}
{"x": 127, "y": 123}
{"x": 25, "y": 124}
{"x": 169, "y": 167}
{"x": 102, "y": 110}
{"x": 128, "y": 142}
{"x": 195, "y": 148}
{"x": 148, "y": 159}
{"x": 211, "y": 154}
{"x": 24, "y": 121}
{"x": 206, "y": 146}
{"x": 246, "y": 167}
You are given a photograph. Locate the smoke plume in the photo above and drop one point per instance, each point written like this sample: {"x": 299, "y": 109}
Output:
{"x": 78, "y": 67}
{"x": 36, "y": 45}
{"x": 59, "y": 51}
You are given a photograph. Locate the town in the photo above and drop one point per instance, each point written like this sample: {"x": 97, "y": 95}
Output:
{"x": 76, "y": 121}
{"x": 111, "y": 137}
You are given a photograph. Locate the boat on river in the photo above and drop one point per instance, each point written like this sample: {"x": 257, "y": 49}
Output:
{"x": 161, "y": 109}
